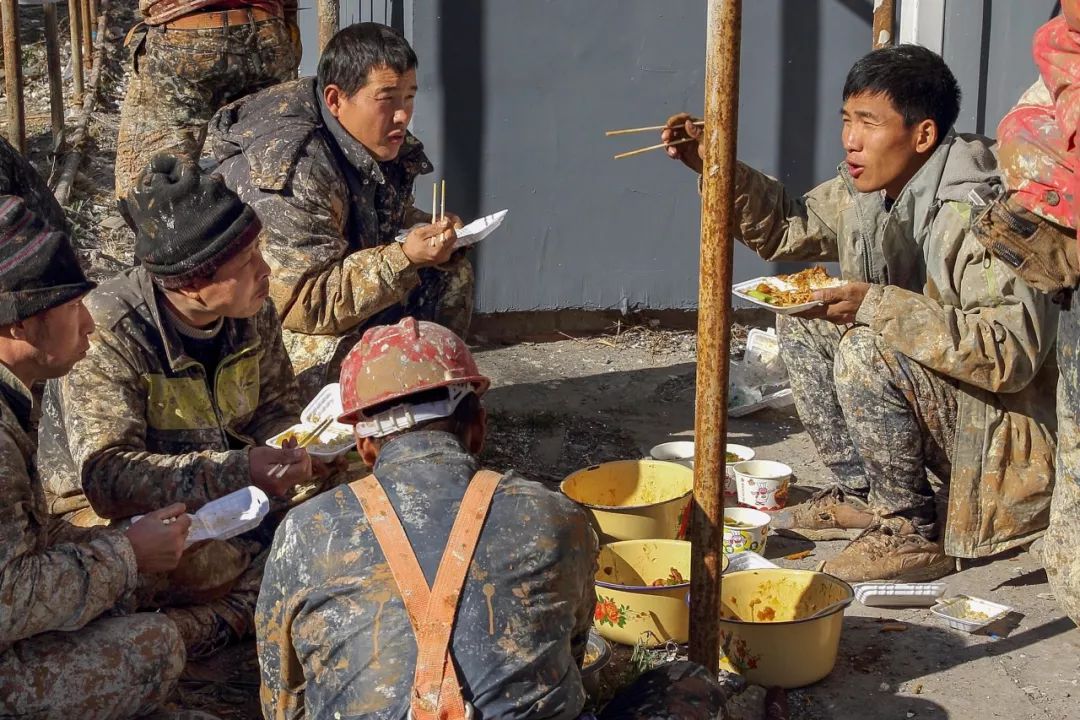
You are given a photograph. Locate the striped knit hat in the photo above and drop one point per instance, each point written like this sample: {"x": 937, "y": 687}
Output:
{"x": 38, "y": 266}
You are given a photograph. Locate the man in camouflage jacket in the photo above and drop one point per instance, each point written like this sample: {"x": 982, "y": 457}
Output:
{"x": 329, "y": 166}
{"x": 185, "y": 380}
{"x": 189, "y": 58}
{"x": 66, "y": 649}
{"x": 932, "y": 356}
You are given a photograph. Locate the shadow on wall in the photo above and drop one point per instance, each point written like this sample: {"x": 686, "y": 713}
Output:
{"x": 461, "y": 76}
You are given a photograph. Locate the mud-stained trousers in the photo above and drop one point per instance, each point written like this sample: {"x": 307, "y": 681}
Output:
{"x": 1061, "y": 545}
{"x": 879, "y": 420}
{"x": 180, "y": 78}
{"x": 118, "y": 667}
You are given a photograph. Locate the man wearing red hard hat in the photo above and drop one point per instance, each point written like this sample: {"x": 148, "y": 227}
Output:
{"x": 434, "y": 588}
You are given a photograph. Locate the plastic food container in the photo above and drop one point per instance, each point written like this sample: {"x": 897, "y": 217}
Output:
{"x": 969, "y": 614}
{"x": 336, "y": 440}
{"x": 888, "y": 594}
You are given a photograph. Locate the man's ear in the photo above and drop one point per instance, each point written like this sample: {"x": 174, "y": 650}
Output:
{"x": 333, "y": 97}
{"x": 368, "y": 450}
{"x": 926, "y": 136}
{"x": 477, "y": 432}
{"x": 17, "y": 330}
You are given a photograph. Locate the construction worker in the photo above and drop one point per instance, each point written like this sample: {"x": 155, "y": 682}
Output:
{"x": 931, "y": 357}
{"x": 59, "y": 655}
{"x": 184, "y": 381}
{"x": 189, "y": 58}
{"x": 18, "y": 177}
{"x": 1034, "y": 229}
{"x": 346, "y": 622}
{"x": 328, "y": 163}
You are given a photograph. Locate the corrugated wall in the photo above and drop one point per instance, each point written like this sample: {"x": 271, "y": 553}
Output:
{"x": 515, "y": 96}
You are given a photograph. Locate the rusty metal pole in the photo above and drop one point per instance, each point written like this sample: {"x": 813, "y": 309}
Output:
{"x": 329, "y": 16}
{"x": 75, "y": 24}
{"x": 13, "y": 75}
{"x": 884, "y": 23}
{"x": 714, "y": 324}
{"x": 87, "y": 33}
{"x": 56, "y": 79}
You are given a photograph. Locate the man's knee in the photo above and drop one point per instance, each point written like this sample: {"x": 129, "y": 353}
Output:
{"x": 861, "y": 364}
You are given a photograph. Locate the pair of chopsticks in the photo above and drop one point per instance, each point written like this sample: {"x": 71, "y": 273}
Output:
{"x": 438, "y": 203}
{"x": 280, "y": 470}
{"x": 651, "y": 128}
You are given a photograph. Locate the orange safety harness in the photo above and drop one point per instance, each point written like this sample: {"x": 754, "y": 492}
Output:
{"x": 436, "y": 693}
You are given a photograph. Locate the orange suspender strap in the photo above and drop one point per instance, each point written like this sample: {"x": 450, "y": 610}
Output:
{"x": 436, "y": 689}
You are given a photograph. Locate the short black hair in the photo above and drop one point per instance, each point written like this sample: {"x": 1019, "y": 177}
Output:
{"x": 360, "y": 48}
{"x": 916, "y": 80}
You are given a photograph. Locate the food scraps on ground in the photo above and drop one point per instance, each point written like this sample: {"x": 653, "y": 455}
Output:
{"x": 799, "y": 555}
{"x": 893, "y": 627}
{"x": 674, "y": 578}
{"x": 803, "y": 284}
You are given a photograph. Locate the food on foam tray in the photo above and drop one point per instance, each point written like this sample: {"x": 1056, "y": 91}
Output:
{"x": 801, "y": 287}
{"x": 327, "y": 441}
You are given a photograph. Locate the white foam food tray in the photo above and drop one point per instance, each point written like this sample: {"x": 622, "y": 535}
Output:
{"x": 893, "y": 594}
{"x": 336, "y": 440}
{"x": 969, "y": 614}
{"x": 741, "y": 291}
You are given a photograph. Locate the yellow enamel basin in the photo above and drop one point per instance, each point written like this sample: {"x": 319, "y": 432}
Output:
{"x": 642, "y": 588}
{"x": 633, "y": 499}
{"x": 766, "y": 630}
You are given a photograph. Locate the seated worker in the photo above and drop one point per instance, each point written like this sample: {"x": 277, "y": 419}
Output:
{"x": 328, "y": 163}
{"x": 184, "y": 381}
{"x": 932, "y": 357}
{"x": 188, "y": 59}
{"x": 1034, "y": 228}
{"x": 346, "y": 589}
{"x": 59, "y": 657}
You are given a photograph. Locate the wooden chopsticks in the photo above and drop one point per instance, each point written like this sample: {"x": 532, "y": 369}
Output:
{"x": 306, "y": 440}
{"x": 651, "y": 128}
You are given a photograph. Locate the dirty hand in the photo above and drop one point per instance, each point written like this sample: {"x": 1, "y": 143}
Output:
{"x": 263, "y": 462}
{"x": 679, "y": 127}
{"x": 455, "y": 220}
{"x": 158, "y": 538}
{"x": 430, "y": 244}
{"x": 840, "y": 304}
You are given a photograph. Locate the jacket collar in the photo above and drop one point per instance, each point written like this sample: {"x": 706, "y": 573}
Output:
{"x": 17, "y": 396}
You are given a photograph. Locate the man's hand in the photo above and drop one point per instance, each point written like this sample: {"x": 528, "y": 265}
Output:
{"x": 158, "y": 538}
{"x": 681, "y": 127}
{"x": 326, "y": 469}
{"x": 431, "y": 244}
{"x": 840, "y": 304}
{"x": 264, "y": 460}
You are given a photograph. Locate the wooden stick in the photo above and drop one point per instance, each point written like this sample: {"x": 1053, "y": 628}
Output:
{"x": 75, "y": 23}
{"x": 620, "y": 156}
{"x": 442, "y": 201}
{"x": 628, "y": 131}
{"x": 328, "y": 14}
{"x": 56, "y": 79}
{"x": 88, "y": 33}
{"x": 434, "y": 202}
{"x": 13, "y": 76}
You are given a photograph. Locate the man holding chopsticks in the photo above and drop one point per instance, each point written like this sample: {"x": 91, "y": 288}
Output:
{"x": 185, "y": 380}
{"x": 931, "y": 357}
{"x": 329, "y": 165}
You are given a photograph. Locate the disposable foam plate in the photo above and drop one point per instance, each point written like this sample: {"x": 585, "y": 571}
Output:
{"x": 335, "y": 440}
{"x": 741, "y": 291}
{"x": 957, "y": 612}
{"x": 472, "y": 233}
{"x": 889, "y": 594}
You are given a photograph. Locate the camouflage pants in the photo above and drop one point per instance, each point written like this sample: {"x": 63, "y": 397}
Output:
{"x": 1060, "y": 556}
{"x": 117, "y": 667}
{"x": 180, "y": 78}
{"x": 676, "y": 691}
{"x": 879, "y": 420}
{"x": 444, "y": 296}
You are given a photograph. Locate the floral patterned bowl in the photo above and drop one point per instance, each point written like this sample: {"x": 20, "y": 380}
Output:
{"x": 745, "y": 529}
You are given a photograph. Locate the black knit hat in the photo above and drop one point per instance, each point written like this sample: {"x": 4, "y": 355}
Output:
{"x": 187, "y": 223}
{"x": 38, "y": 266}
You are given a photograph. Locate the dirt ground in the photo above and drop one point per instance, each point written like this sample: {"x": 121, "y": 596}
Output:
{"x": 560, "y": 406}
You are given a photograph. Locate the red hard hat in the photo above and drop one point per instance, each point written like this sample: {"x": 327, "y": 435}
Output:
{"x": 394, "y": 361}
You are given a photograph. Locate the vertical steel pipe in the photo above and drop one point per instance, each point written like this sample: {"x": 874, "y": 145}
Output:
{"x": 329, "y": 12}
{"x": 56, "y": 72}
{"x": 13, "y": 75}
{"x": 884, "y": 23}
{"x": 714, "y": 325}
{"x": 75, "y": 25}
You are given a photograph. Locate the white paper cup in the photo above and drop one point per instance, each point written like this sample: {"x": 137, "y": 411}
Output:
{"x": 763, "y": 484}
{"x": 751, "y": 532}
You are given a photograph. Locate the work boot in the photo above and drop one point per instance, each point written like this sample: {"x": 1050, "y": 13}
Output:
{"x": 830, "y": 514}
{"x": 891, "y": 550}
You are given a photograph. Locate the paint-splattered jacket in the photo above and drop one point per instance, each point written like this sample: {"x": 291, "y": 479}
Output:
{"x": 134, "y": 426}
{"x": 330, "y": 213}
{"x": 329, "y": 607}
{"x": 52, "y": 576}
{"x": 938, "y": 297}
{"x": 18, "y": 177}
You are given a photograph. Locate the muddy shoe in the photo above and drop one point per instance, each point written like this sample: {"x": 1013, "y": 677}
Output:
{"x": 891, "y": 550}
{"x": 829, "y": 515}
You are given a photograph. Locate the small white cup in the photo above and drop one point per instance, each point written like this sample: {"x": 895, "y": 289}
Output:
{"x": 763, "y": 484}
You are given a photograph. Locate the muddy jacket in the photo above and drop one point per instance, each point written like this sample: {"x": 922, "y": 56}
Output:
{"x": 156, "y": 12}
{"x": 330, "y": 213}
{"x": 52, "y": 576}
{"x": 329, "y": 606}
{"x": 939, "y": 298}
{"x": 134, "y": 426}
{"x": 18, "y": 177}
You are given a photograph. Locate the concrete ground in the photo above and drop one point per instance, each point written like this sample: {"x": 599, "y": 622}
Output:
{"x": 560, "y": 406}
